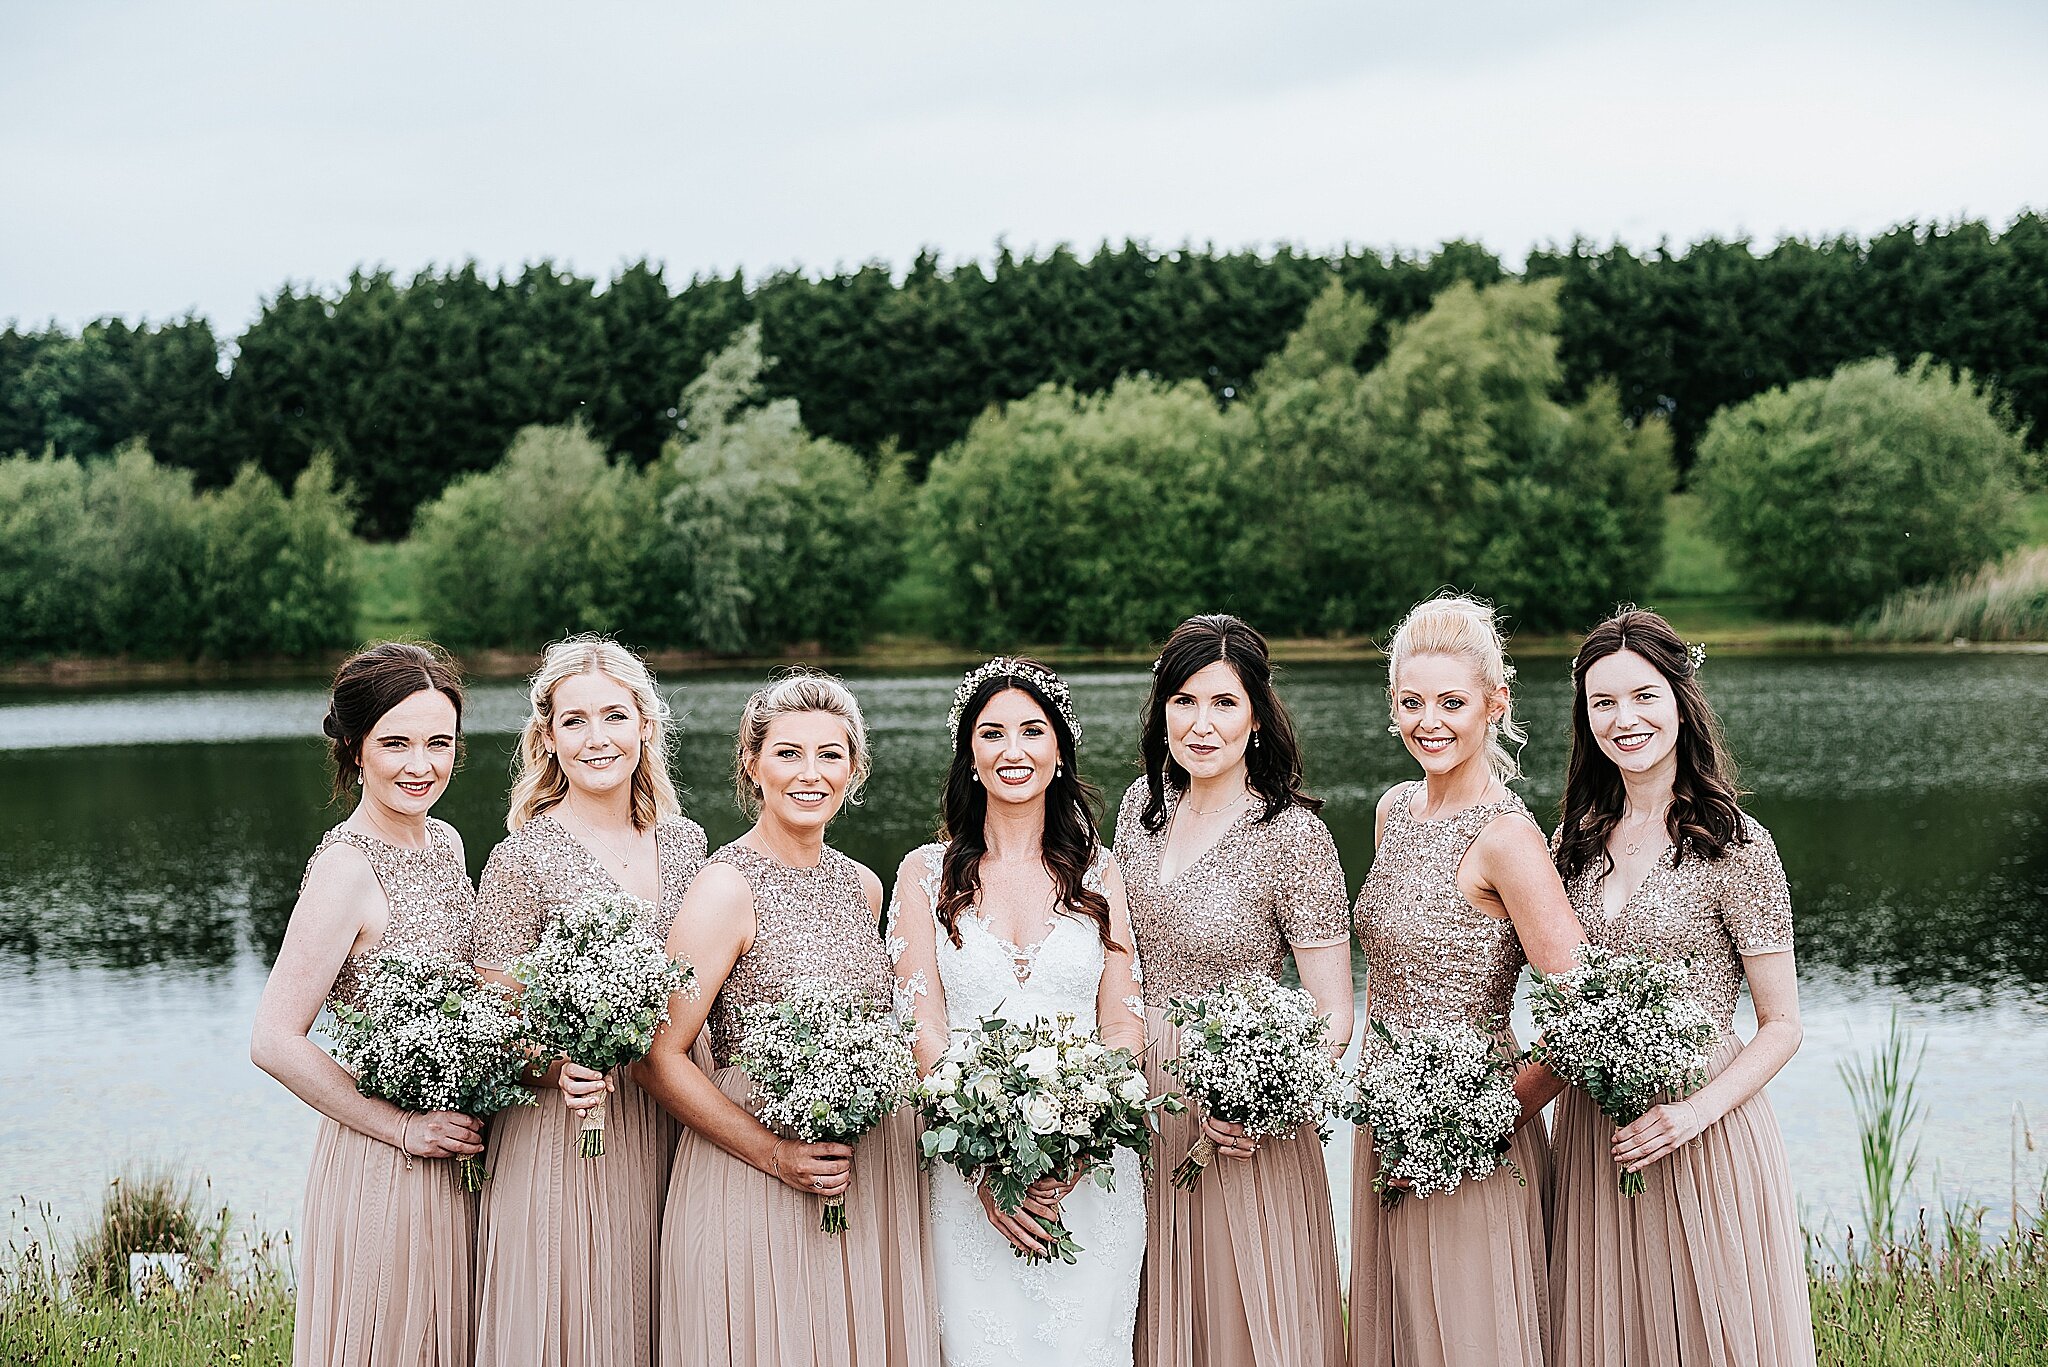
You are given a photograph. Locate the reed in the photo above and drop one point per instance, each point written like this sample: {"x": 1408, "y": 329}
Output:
{"x": 1882, "y": 1089}
{"x": 2006, "y": 600}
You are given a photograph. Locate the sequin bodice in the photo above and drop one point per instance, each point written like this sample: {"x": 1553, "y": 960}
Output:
{"x": 541, "y": 868}
{"x": 1708, "y": 912}
{"x": 432, "y": 905}
{"x": 1237, "y": 908}
{"x": 1430, "y": 955}
{"x": 808, "y": 923}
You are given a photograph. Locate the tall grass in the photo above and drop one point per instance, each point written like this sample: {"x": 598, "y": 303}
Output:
{"x": 2007, "y": 600}
{"x": 1882, "y": 1090}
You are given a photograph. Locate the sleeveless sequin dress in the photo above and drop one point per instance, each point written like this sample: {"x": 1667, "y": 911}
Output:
{"x": 1456, "y": 1279}
{"x": 385, "y": 1244}
{"x": 1707, "y": 1268}
{"x": 568, "y": 1247}
{"x": 1241, "y": 1271}
{"x": 747, "y": 1276}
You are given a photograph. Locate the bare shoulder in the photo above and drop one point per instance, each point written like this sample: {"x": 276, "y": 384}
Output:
{"x": 341, "y": 871}
{"x": 870, "y": 885}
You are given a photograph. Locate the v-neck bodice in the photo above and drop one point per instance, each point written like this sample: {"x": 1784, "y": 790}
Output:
{"x": 542, "y": 867}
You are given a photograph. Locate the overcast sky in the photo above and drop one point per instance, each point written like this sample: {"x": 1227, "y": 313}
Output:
{"x": 158, "y": 157}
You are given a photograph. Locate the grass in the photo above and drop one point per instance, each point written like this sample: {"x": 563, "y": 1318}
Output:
{"x": 390, "y": 605}
{"x": 1882, "y": 1090}
{"x": 2005, "y": 601}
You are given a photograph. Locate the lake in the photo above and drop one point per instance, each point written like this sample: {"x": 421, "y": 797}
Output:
{"x": 151, "y": 845}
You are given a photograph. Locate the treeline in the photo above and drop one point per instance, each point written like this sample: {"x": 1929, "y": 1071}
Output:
{"x": 122, "y": 556}
{"x": 412, "y": 383}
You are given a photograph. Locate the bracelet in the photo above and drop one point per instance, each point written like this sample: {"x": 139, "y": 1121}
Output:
{"x": 775, "y": 1158}
{"x": 405, "y": 1123}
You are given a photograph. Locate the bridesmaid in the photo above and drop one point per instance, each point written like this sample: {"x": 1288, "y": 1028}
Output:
{"x": 747, "y": 1277}
{"x": 1229, "y": 872}
{"x": 1461, "y": 895}
{"x": 384, "y": 1263}
{"x": 566, "y": 1246}
{"x": 1708, "y": 1265}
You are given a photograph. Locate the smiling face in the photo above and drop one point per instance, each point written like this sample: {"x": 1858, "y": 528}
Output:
{"x": 1441, "y": 709}
{"x": 597, "y": 733}
{"x": 410, "y": 753}
{"x": 1209, "y": 722}
{"x": 1632, "y": 712}
{"x": 803, "y": 769}
{"x": 1015, "y": 748}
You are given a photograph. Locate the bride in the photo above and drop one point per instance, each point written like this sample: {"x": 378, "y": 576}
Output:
{"x": 1021, "y": 909}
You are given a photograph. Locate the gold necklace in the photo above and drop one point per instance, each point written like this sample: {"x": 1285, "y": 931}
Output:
{"x": 611, "y": 849}
{"x": 1629, "y": 849}
{"x": 1237, "y": 801}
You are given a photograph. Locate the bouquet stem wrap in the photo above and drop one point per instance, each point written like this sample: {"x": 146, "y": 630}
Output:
{"x": 1190, "y": 1169}
{"x": 474, "y": 1174}
{"x": 590, "y": 1139}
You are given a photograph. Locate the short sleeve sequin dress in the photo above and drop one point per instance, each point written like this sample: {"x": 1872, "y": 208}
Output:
{"x": 384, "y": 1252}
{"x": 567, "y": 1246}
{"x": 747, "y": 1277}
{"x": 1707, "y": 1267}
{"x": 1242, "y": 1269}
{"x": 1455, "y": 1279}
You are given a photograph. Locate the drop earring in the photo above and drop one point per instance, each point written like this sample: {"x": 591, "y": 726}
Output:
{"x": 1255, "y": 740}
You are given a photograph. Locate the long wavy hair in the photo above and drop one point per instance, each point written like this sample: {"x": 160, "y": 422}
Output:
{"x": 540, "y": 783}
{"x": 1705, "y": 817}
{"x": 1071, "y": 836}
{"x": 1272, "y": 767}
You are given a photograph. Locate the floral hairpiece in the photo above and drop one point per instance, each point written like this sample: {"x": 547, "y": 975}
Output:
{"x": 1008, "y": 667}
{"x": 1697, "y": 653}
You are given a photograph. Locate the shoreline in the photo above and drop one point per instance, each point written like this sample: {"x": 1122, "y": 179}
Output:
{"x": 890, "y": 653}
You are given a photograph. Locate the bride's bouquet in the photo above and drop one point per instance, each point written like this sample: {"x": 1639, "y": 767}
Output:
{"x": 1015, "y": 1101}
{"x": 1622, "y": 1027}
{"x": 597, "y": 988}
{"x": 1256, "y": 1054}
{"x": 433, "y": 1037}
{"x": 1440, "y": 1102}
{"x": 827, "y": 1067}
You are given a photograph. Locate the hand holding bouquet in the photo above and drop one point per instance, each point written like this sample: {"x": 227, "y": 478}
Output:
{"x": 828, "y": 1066}
{"x": 432, "y": 1037}
{"x": 1440, "y": 1102}
{"x": 597, "y": 989}
{"x": 1622, "y": 1027}
{"x": 1256, "y": 1054}
{"x": 1012, "y": 1102}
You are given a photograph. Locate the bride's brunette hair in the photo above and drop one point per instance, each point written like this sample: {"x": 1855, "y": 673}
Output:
{"x": 1705, "y": 817}
{"x": 1272, "y": 767}
{"x": 1071, "y": 838}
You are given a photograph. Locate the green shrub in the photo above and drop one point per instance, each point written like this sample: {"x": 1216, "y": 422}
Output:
{"x": 1453, "y": 461}
{"x": 1828, "y": 495}
{"x": 1083, "y": 519}
{"x": 46, "y": 589}
{"x": 143, "y": 550}
{"x": 279, "y": 575}
{"x": 146, "y": 1210}
{"x": 2006, "y": 600}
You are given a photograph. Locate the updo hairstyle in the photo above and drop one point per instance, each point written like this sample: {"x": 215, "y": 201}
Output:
{"x": 371, "y": 683}
{"x": 799, "y": 689}
{"x": 1466, "y": 629}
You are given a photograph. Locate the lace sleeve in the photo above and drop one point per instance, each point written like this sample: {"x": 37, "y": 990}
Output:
{"x": 911, "y": 940}
{"x": 1120, "y": 1001}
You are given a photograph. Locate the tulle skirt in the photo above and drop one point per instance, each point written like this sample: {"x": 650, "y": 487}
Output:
{"x": 748, "y": 1279}
{"x": 1240, "y": 1271}
{"x": 384, "y": 1258}
{"x": 568, "y": 1247}
{"x": 1456, "y": 1279}
{"x": 1706, "y": 1268}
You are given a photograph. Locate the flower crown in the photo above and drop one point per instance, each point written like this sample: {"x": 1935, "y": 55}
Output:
{"x": 1008, "y": 667}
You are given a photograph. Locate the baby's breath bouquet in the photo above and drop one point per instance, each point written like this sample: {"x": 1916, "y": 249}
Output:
{"x": 431, "y": 1036}
{"x": 1256, "y": 1054}
{"x": 1622, "y": 1027}
{"x": 597, "y": 988}
{"x": 828, "y": 1066}
{"x": 1014, "y": 1101}
{"x": 1440, "y": 1102}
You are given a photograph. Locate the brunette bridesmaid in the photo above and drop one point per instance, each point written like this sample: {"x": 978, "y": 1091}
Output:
{"x": 567, "y": 1246}
{"x": 1461, "y": 895}
{"x": 1230, "y": 871}
{"x": 1707, "y": 1265}
{"x": 384, "y": 1247}
{"x": 747, "y": 1276}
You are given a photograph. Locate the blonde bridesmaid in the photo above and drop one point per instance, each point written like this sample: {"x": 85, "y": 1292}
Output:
{"x": 747, "y": 1276}
{"x": 1707, "y": 1266}
{"x": 1229, "y": 872}
{"x": 567, "y": 1247}
{"x": 384, "y": 1246}
{"x": 1461, "y": 894}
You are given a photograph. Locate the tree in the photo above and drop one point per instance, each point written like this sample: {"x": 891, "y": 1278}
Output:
{"x": 1827, "y": 495}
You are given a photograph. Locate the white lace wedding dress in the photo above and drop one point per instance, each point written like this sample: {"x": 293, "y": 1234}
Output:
{"x": 994, "y": 1308}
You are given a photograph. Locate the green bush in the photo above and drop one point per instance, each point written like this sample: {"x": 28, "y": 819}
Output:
{"x": 1453, "y": 461}
{"x": 143, "y": 551}
{"x": 1828, "y": 495}
{"x": 279, "y": 575}
{"x": 1073, "y": 518}
{"x": 46, "y": 588}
